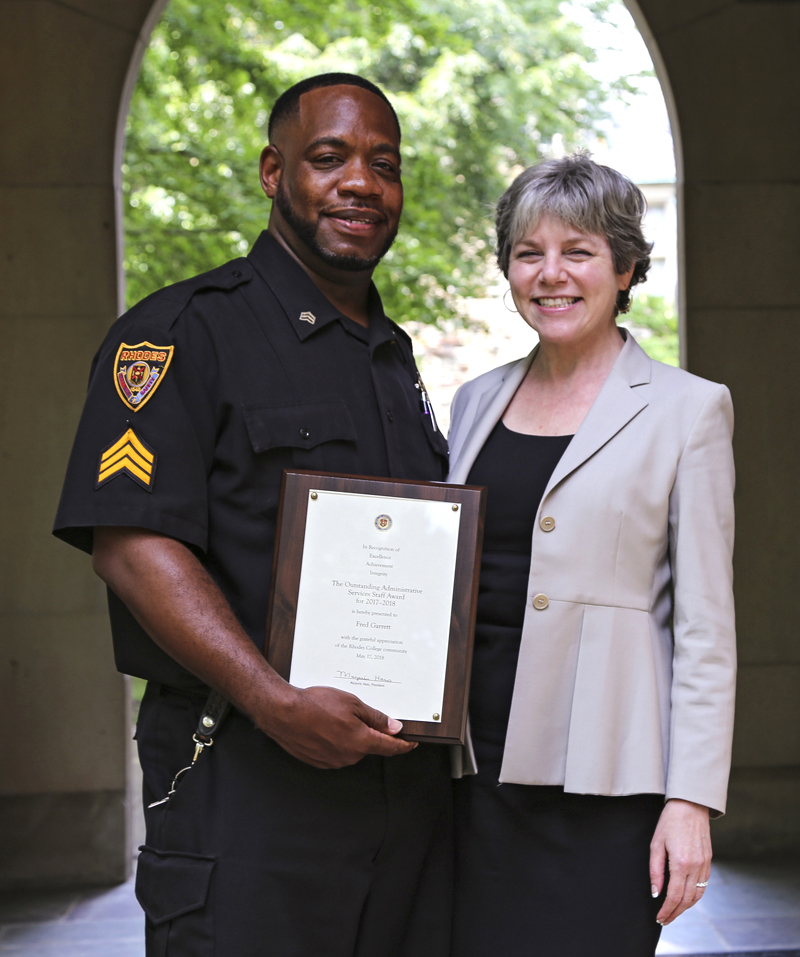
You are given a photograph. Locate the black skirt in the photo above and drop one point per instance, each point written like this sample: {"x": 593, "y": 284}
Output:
{"x": 541, "y": 873}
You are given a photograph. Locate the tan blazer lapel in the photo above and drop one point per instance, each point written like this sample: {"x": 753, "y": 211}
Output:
{"x": 488, "y": 412}
{"x": 616, "y": 404}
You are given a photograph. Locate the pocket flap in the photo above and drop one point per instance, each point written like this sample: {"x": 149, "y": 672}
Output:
{"x": 171, "y": 883}
{"x": 298, "y": 426}
{"x": 436, "y": 441}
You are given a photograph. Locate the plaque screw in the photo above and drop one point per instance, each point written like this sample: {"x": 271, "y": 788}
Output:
{"x": 436, "y": 717}
{"x": 455, "y": 508}
{"x": 314, "y": 496}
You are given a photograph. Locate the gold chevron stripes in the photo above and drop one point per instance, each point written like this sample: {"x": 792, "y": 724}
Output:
{"x": 130, "y": 456}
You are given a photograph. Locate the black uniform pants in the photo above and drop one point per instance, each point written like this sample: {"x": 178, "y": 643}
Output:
{"x": 260, "y": 855}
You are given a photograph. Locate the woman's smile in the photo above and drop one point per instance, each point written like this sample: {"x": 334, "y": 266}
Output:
{"x": 561, "y": 303}
{"x": 564, "y": 282}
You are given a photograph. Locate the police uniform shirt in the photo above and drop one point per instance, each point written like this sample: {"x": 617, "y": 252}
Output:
{"x": 202, "y": 394}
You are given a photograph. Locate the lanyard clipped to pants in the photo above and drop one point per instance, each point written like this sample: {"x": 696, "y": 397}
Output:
{"x": 214, "y": 713}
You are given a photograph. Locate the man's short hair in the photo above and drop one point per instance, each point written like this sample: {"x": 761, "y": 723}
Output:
{"x": 288, "y": 103}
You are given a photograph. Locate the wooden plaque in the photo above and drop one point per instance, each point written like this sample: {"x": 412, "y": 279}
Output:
{"x": 374, "y": 591}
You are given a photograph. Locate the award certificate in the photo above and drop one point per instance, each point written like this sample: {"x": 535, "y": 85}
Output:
{"x": 375, "y": 594}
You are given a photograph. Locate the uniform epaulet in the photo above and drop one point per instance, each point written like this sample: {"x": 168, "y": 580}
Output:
{"x": 164, "y": 306}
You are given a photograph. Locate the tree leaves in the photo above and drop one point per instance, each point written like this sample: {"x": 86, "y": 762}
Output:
{"x": 480, "y": 88}
{"x": 655, "y": 324}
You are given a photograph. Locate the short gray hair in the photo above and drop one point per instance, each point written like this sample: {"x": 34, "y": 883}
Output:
{"x": 593, "y": 198}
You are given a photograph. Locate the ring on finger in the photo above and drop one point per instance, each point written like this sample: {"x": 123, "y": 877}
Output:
{"x": 702, "y": 884}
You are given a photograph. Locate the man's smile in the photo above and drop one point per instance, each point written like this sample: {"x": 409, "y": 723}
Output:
{"x": 356, "y": 219}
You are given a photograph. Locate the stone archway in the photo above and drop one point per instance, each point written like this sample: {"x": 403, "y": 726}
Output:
{"x": 67, "y": 67}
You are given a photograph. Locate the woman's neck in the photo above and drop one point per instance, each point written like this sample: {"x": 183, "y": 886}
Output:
{"x": 560, "y": 363}
{"x": 561, "y": 385}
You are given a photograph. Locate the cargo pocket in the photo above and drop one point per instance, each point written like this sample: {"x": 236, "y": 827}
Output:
{"x": 172, "y": 888}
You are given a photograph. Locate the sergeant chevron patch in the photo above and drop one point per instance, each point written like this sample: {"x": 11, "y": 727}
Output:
{"x": 139, "y": 371}
{"x": 129, "y": 455}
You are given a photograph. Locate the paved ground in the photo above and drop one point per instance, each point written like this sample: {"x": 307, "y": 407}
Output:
{"x": 751, "y": 909}
{"x": 99, "y": 923}
{"x": 747, "y": 908}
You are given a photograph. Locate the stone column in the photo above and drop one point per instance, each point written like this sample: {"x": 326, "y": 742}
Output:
{"x": 732, "y": 68}
{"x": 65, "y": 731}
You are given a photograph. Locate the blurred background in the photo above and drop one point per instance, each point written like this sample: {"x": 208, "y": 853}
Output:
{"x": 130, "y": 131}
{"x": 482, "y": 91}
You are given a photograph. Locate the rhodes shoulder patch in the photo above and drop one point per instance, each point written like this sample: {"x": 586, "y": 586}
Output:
{"x": 139, "y": 371}
{"x": 127, "y": 454}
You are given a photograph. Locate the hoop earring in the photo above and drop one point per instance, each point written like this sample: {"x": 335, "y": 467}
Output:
{"x": 506, "y": 304}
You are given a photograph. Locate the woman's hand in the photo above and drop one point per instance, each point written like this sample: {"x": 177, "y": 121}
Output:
{"x": 683, "y": 836}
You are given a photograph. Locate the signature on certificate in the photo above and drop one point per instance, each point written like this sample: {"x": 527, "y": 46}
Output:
{"x": 352, "y": 677}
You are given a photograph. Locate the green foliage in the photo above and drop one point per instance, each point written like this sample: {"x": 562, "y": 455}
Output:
{"x": 138, "y": 686}
{"x": 655, "y": 324}
{"x": 481, "y": 89}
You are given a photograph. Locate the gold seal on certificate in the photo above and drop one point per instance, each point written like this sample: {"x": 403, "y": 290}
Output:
{"x": 374, "y": 592}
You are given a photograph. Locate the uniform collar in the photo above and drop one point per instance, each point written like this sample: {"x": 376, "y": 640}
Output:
{"x": 307, "y": 309}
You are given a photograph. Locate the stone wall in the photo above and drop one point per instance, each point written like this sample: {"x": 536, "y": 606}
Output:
{"x": 730, "y": 69}
{"x": 66, "y": 727}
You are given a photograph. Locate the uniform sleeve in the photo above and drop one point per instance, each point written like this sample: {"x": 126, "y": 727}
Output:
{"x": 704, "y": 663}
{"x": 143, "y": 463}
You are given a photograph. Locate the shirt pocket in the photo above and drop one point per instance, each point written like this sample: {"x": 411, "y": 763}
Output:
{"x": 321, "y": 435}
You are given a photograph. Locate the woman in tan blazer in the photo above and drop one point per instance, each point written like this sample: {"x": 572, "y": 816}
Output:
{"x": 601, "y": 705}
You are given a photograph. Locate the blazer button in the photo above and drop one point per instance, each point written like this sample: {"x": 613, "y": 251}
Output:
{"x": 540, "y": 602}
{"x": 304, "y": 433}
{"x": 547, "y": 524}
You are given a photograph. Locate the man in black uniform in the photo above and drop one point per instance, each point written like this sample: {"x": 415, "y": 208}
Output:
{"x": 309, "y": 829}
